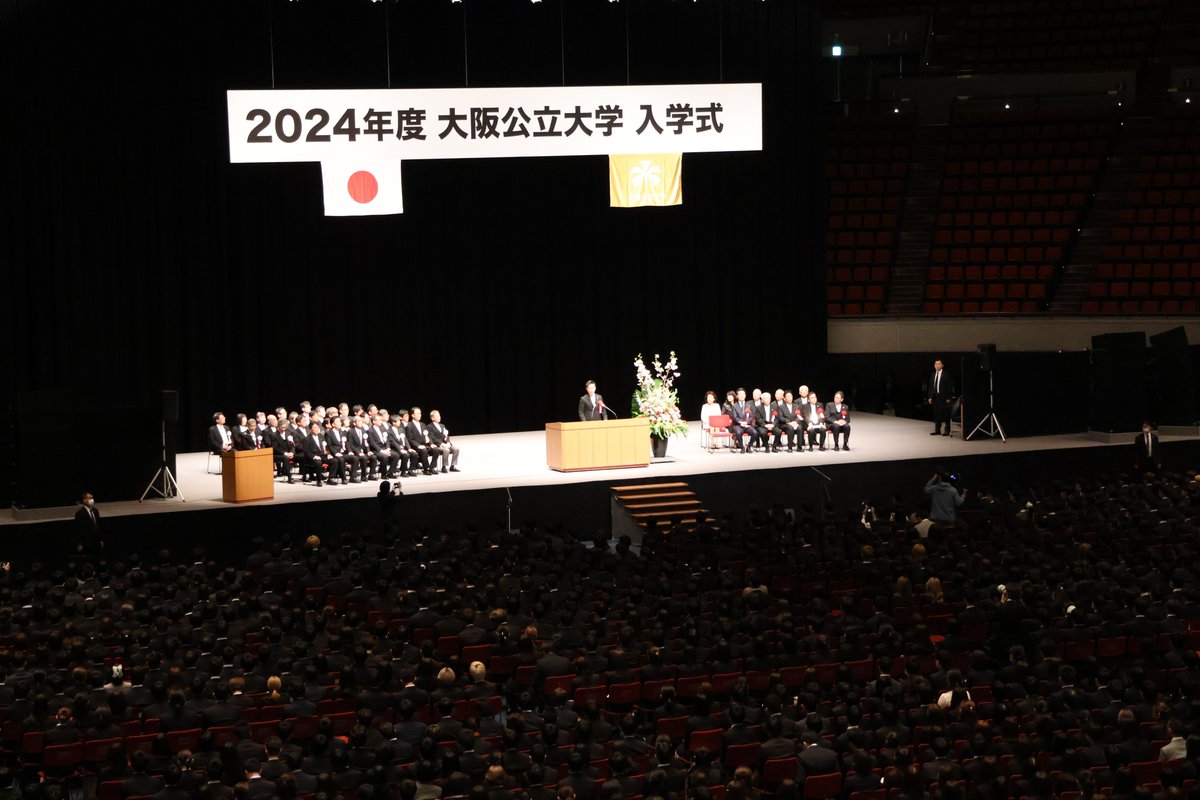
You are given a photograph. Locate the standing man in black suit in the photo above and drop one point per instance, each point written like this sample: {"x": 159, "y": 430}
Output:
{"x": 315, "y": 454}
{"x": 1148, "y": 458}
{"x": 360, "y": 448}
{"x": 939, "y": 396}
{"x": 87, "y": 526}
{"x": 591, "y": 405}
{"x": 219, "y": 437}
{"x": 837, "y": 419}
{"x": 336, "y": 443}
{"x": 418, "y": 439}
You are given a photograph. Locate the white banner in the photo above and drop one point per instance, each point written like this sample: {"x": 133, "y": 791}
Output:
{"x": 372, "y": 124}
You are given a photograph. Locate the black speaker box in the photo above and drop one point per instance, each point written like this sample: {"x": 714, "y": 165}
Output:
{"x": 170, "y": 405}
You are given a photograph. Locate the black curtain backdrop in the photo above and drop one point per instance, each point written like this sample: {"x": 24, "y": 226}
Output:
{"x": 137, "y": 258}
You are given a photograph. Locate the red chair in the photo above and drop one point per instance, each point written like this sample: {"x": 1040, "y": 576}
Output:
{"x": 224, "y": 735}
{"x": 874, "y": 794}
{"x": 303, "y": 728}
{"x": 585, "y": 693}
{"x": 556, "y": 682}
{"x": 743, "y": 755}
{"x": 777, "y": 770}
{"x": 722, "y": 683}
{"x": 62, "y": 759}
{"x": 674, "y": 728}
{"x": 187, "y": 739}
{"x": 262, "y": 731}
{"x": 109, "y": 790}
{"x": 861, "y": 671}
{"x": 622, "y": 697}
{"x": 524, "y": 675}
{"x": 31, "y": 746}
{"x": 447, "y": 646}
{"x": 717, "y": 428}
{"x": 343, "y": 723}
{"x": 821, "y": 787}
{"x": 1144, "y": 772}
{"x": 270, "y": 713}
{"x": 477, "y": 652}
{"x": 826, "y": 674}
{"x": 652, "y": 690}
{"x": 95, "y": 751}
{"x": 689, "y": 687}
{"x": 710, "y": 740}
{"x": 1078, "y": 651}
{"x": 144, "y": 742}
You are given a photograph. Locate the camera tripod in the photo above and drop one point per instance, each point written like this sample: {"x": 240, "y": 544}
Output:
{"x": 991, "y": 420}
{"x": 170, "y": 486}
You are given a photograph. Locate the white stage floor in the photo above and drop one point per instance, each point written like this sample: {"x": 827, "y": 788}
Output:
{"x": 495, "y": 461}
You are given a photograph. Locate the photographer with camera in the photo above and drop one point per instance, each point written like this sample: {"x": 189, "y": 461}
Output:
{"x": 944, "y": 497}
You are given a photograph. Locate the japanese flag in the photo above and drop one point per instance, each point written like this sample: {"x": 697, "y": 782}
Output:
{"x": 362, "y": 188}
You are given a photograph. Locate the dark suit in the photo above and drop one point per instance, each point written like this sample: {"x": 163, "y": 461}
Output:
{"x": 766, "y": 423}
{"x": 817, "y": 760}
{"x": 282, "y": 446}
{"x": 384, "y": 453}
{"x": 313, "y": 456}
{"x": 940, "y": 395}
{"x": 589, "y": 410}
{"x": 439, "y": 437}
{"x": 87, "y": 528}
{"x": 785, "y": 415}
{"x": 833, "y": 413}
{"x": 816, "y": 430}
{"x": 418, "y": 440}
{"x": 215, "y": 442}
{"x": 248, "y": 440}
{"x": 336, "y": 444}
{"x": 360, "y": 448}
{"x": 398, "y": 441}
{"x": 1149, "y": 457}
{"x": 741, "y": 415}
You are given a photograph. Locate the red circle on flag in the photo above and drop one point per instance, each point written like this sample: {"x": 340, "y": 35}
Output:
{"x": 362, "y": 186}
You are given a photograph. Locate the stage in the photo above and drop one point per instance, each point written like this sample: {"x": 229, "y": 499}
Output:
{"x": 518, "y": 461}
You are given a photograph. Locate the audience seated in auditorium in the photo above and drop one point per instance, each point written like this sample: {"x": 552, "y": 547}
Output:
{"x": 766, "y": 656}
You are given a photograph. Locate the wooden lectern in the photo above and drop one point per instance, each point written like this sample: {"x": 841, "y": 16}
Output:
{"x": 606, "y": 444}
{"x": 247, "y": 475}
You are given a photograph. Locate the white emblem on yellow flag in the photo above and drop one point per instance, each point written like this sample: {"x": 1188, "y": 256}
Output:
{"x": 650, "y": 179}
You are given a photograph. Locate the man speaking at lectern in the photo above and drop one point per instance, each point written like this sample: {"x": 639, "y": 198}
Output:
{"x": 591, "y": 405}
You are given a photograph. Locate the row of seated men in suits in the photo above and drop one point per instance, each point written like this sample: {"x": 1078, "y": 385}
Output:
{"x": 343, "y": 444}
{"x": 768, "y": 423}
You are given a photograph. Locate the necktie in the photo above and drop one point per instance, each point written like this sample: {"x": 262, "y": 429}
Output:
{"x": 937, "y": 383}
{"x": 1147, "y": 444}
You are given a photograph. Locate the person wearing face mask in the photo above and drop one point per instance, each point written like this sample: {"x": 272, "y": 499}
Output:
{"x": 1148, "y": 451}
{"x": 87, "y": 526}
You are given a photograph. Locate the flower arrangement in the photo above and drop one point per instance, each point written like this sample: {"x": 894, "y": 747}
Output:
{"x": 657, "y": 398}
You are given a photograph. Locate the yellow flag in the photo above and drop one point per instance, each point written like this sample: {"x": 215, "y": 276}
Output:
{"x": 648, "y": 179}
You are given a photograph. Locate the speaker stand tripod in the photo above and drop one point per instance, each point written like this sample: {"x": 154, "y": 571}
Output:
{"x": 991, "y": 420}
{"x": 170, "y": 486}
